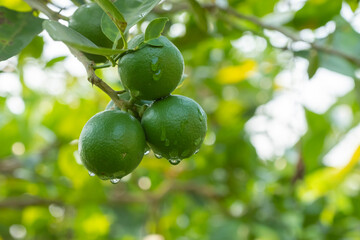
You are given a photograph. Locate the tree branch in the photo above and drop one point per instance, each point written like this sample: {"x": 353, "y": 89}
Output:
{"x": 294, "y": 37}
{"x": 94, "y": 79}
{"x": 163, "y": 190}
{"x": 9, "y": 164}
{"x": 42, "y": 7}
{"x": 89, "y": 65}
{"x": 25, "y": 201}
{"x": 122, "y": 197}
{"x": 288, "y": 34}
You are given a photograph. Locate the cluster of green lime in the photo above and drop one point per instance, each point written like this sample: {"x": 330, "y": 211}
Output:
{"x": 113, "y": 142}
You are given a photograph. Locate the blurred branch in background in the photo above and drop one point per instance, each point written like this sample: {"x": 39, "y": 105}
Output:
{"x": 25, "y": 201}
{"x": 125, "y": 197}
{"x": 300, "y": 166}
{"x": 292, "y": 36}
{"x": 9, "y": 165}
{"x": 228, "y": 11}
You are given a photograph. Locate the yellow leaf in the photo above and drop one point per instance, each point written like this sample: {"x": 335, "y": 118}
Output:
{"x": 97, "y": 224}
{"x": 33, "y": 213}
{"x": 17, "y": 5}
{"x": 235, "y": 74}
{"x": 228, "y": 112}
{"x": 327, "y": 215}
{"x": 320, "y": 182}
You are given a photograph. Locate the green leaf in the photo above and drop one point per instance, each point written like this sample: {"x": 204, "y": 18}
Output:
{"x": 155, "y": 28}
{"x": 133, "y": 12}
{"x": 313, "y": 142}
{"x": 109, "y": 29}
{"x": 320, "y": 182}
{"x": 69, "y": 36}
{"x": 353, "y": 4}
{"x": 78, "y": 2}
{"x": 114, "y": 14}
{"x": 17, "y": 29}
{"x": 199, "y": 15}
{"x": 316, "y": 13}
{"x": 261, "y": 8}
{"x": 154, "y": 42}
{"x": 33, "y": 49}
{"x": 313, "y": 63}
{"x": 346, "y": 40}
{"x": 53, "y": 61}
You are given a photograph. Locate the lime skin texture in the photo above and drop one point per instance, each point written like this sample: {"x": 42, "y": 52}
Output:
{"x": 175, "y": 127}
{"x": 112, "y": 144}
{"x": 151, "y": 72}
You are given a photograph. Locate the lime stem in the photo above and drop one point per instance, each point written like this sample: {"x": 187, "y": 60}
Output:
{"x": 106, "y": 65}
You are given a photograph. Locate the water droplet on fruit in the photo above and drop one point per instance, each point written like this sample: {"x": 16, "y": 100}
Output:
{"x": 115, "y": 180}
{"x": 157, "y": 75}
{"x": 158, "y": 156}
{"x": 174, "y": 161}
{"x": 173, "y": 154}
{"x": 167, "y": 142}
{"x": 185, "y": 153}
{"x": 183, "y": 125}
{"x": 155, "y": 64}
{"x": 201, "y": 117}
{"x": 163, "y": 134}
{"x": 91, "y": 174}
{"x": 197, "y": 141}
{"x": 146, "y": 152}
{"x": 196, "y": 151}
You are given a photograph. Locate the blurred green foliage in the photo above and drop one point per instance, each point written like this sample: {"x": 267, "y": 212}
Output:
{"x": 225, "y": 191}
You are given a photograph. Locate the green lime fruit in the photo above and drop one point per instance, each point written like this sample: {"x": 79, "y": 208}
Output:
{"x": 112, "y": 144}
{"x": 175, "y": 127}
{"x": 151, "y": 72}
{"x": 86, "y": 20}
